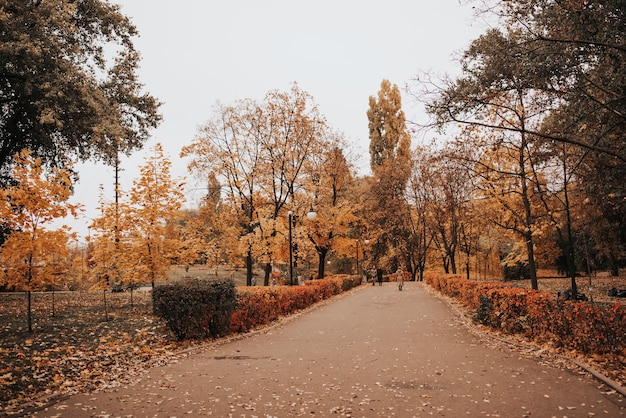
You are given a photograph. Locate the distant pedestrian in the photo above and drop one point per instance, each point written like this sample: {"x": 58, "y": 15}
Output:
{"x": 400, "y": 278}
{"x": 380, "y": 277}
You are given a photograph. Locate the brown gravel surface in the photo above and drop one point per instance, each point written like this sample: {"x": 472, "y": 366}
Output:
{"x": 372, "y": 352}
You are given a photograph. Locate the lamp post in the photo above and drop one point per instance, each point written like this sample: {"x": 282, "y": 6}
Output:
{"x": 357, "y": 256}
{"x": 290, "y": 215}
{"x": 311, "y": 215}
{"x": 366, "y": 241}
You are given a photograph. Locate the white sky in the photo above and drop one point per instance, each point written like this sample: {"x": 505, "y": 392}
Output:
{"x": 197, "y": 52}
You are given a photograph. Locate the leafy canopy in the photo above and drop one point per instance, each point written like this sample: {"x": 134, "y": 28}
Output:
{"x": 68, "y": 88}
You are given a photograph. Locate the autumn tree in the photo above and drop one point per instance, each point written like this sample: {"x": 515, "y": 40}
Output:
{"x": 155, "y": 201}
{"x": 578, "y": 53}
{"x": 497, "y": 102}
{"x": 568, "y": 58}
{"x": 571, "y": 52}
{"x": 109, "y": 246}
{"x": 390, "y": 161}
{"x": 211, "y": 231}
{"x": 421, "y": 239}
{"x": 258, "y": 151}
{"x": 226, "y": 147}
{"x": 134, "y": 240}
{"x": 447, "y": 191}
{"x": 108, "y": 250}
{"x": 68, "y": 88}
{"x": 291, "y": 134}
{"x": 35, "y": 199}
{"x": 583, "y": 52}
{"x": 336, "y": 202}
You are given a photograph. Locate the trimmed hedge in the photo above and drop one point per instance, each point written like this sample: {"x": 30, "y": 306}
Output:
{"x": 258, "y": 306}
{"x": 196, "y": 308}
{"x": 574, "y": 325}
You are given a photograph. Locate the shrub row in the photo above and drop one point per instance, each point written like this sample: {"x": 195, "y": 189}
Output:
{"x": 211, "y": 308}
{"x": 258, "y": 306}
{"x": 581, "y": 326}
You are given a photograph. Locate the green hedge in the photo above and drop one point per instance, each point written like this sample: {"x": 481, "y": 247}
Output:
{"x": 196, "y": 308}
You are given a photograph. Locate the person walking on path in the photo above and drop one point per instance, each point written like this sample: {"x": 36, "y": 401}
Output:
{"x": 400, "y": 277}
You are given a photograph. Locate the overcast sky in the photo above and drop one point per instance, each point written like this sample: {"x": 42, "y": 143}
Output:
{"x": 198, "y": 52}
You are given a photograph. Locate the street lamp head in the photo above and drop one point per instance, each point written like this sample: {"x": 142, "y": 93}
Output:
{"x": 311, "y": 215}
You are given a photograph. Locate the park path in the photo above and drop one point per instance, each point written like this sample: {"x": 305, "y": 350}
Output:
{"x": 374, "y": 352}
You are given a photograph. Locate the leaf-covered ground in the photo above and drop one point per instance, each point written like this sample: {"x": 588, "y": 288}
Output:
{"x": 77, "y": 349}
{"x": 595, "y": 289}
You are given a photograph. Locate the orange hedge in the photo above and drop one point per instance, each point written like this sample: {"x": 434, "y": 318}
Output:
{"x": 262, "y": 305}
{"x": 583, "y": 326}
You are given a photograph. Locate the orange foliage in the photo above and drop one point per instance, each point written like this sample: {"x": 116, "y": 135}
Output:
{"x": 258, "y": 306}
{"x": 31, "y": 255}
{"x": 585, "y": 327}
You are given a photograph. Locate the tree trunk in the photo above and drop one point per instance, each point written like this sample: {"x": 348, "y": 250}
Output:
{"x": 531, "y": 262}
{"x": 106, "y": 309}
{"x": 569, "y": 247}
{"x": 446, "y": 264}
{"x": 529, "y": 219}
{"x": 614, "y": 265}
{"x": 29, "y": 314}
{"x": 249, "y": 269}
{"x": 321, "y": 266}
{"x": 268, "y": 274}
{"x": 452, "y": 260}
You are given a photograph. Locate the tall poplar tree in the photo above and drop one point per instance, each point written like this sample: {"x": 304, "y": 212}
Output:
{"x": 390, "y": 141}
{"x": 390, "y": 161}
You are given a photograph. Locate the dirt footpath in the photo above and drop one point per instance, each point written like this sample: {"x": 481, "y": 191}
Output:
{"x": 375, "y": 352}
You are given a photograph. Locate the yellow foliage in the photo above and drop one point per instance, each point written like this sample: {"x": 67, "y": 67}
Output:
{"x": 32, "y": 256}
{"x": 133, "y": 242}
